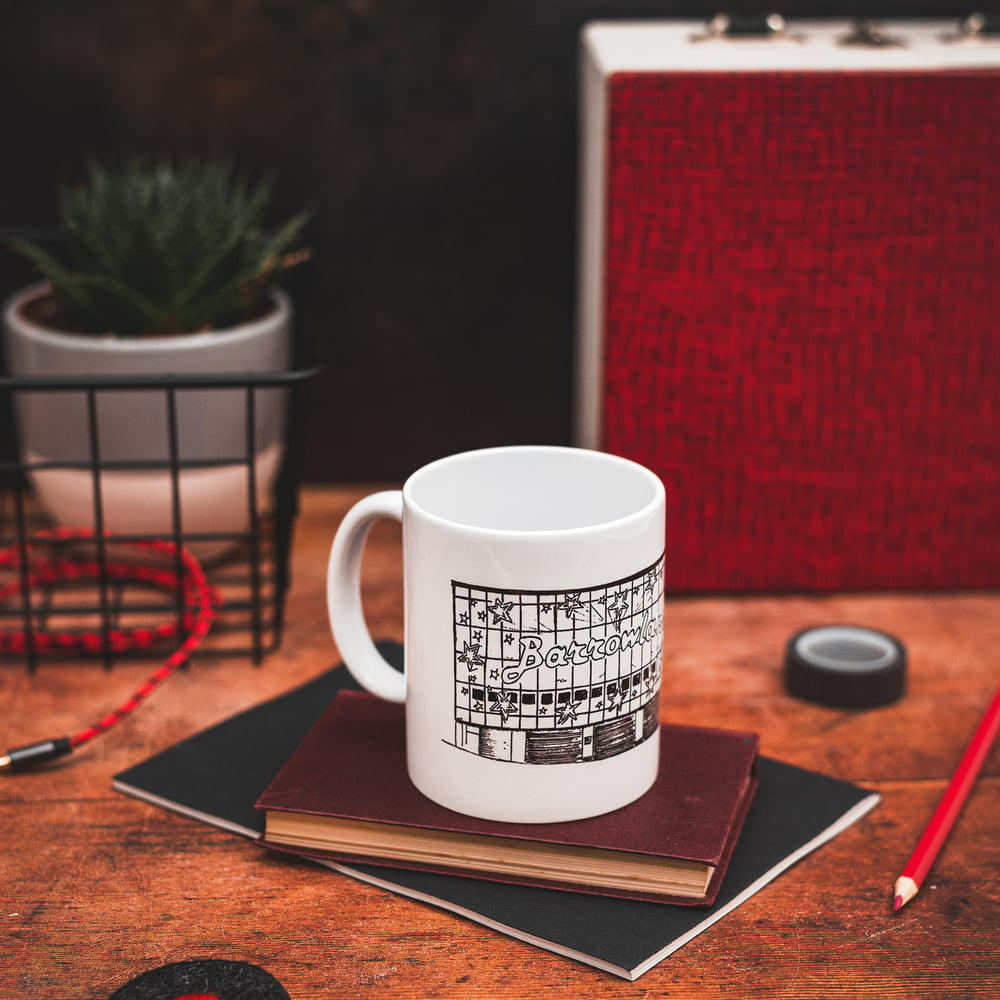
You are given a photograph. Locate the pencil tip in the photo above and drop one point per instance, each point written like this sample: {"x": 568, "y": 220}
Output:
{"x": 904, "y": 890}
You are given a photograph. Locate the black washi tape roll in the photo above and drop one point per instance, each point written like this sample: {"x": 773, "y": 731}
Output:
{"x": 845, "y": 666}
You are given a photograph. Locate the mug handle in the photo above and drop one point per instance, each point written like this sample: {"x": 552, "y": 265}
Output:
{"x": 343, "y": 597}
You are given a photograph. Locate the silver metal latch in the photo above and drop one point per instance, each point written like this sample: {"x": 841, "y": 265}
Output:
{"x": 736, "y": 27}
{"x": 871, "y": 34}
{"x": 979, "y": 28}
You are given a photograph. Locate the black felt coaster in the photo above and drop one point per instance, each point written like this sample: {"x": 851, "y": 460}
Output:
{"x": 210, "y": 979}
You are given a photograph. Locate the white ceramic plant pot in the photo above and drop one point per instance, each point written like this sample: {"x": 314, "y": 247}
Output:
{"x": 132, "y": 426}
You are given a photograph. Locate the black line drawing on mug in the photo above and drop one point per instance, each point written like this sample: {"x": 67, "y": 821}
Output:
{"x": 552, "y": 677}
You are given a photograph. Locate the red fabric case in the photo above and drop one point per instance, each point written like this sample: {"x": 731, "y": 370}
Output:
{"x": 797, "y": 320}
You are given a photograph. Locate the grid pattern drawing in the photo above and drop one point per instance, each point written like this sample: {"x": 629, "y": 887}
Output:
{"x": 547, "y": 677}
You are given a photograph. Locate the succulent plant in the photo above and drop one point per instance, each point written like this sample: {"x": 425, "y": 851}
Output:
{"x": 155, "y": 247}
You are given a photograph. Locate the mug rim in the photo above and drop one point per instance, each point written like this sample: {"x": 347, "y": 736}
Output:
{"x": 657, "y": 497}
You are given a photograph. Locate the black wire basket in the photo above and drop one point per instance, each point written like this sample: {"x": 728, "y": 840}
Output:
{"x": 133, "y": 585}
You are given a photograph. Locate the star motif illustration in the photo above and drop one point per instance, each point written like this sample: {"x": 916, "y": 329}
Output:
{"x": 470, "y": 655}
{"x": 463, "y": 618}
{"x": 504, "y": 704}
{"x": 501, "y": 611}
{"x": 618, "y": 606}
{"x": 508, "y": 639}
{"x": 571, "y": 606}
{"x": 478, "y": 636}
{"x": 568, "y": 713}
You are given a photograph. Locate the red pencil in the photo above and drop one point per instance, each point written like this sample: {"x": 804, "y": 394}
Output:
{"x": 950, "y": 805}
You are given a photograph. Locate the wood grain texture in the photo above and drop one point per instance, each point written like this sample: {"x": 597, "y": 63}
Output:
{"x": 96, "y": 887}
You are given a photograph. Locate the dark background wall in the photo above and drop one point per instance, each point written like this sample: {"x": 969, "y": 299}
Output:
{"x": 433, "y": 140}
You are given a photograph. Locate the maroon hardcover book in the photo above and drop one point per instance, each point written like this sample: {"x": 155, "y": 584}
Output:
{"x": 352, "y": 765}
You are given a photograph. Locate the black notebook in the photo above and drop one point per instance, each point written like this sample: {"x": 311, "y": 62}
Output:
{"x": 217, "y": 775}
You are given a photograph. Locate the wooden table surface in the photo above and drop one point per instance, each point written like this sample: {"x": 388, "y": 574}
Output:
{"x": 96, "y": 887}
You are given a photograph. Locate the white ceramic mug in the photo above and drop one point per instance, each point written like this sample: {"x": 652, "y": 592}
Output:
{"x": 533, "y": 592}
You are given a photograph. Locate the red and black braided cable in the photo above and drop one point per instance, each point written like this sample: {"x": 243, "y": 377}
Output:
{"x": 33, "y": 570}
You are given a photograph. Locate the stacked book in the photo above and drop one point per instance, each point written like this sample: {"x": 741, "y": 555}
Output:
{"x": 344, "y": 795}
{"x": 320, "y": 773}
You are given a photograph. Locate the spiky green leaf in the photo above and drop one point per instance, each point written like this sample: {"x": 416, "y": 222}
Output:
{"x": 156, "y": 247}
